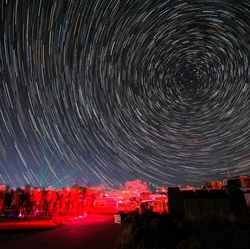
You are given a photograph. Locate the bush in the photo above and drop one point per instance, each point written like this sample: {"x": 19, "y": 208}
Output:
{"x": 213, "y": 232}
{"x": 148, "y": 230}
{"x": 151, "y": 230}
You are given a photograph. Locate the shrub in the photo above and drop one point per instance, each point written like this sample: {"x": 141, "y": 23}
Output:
{"x": 151, "y": 230}
{"x": 148, "y": 230}
{"x": 213, "y": 232}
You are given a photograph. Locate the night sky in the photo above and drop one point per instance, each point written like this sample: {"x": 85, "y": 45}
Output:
{"x": 104, "y": 92}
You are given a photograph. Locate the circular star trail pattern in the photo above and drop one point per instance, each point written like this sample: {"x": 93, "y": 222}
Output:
{"x": 112, "y": 91}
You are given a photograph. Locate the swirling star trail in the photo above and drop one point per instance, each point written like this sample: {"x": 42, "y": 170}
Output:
{"x": 111, "y": 91}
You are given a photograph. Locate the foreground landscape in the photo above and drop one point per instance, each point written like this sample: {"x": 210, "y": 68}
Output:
{"x": 215, "y": 217}
{"x": 142, "y": 228}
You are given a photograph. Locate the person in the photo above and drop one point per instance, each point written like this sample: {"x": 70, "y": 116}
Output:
{"x": 15, "y": 204}
{"x": 2, "y": 189}
{"x": 7, "y": 200}
{"x": 247, "y": 182}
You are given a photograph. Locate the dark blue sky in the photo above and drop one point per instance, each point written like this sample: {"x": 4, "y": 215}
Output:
{"x": 112, "y": 91}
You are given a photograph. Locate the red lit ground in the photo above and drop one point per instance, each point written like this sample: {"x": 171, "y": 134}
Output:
{"x": 95, "y": 231}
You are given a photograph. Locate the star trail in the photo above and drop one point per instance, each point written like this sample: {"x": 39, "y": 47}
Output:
{"x": 108, "y": 91}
